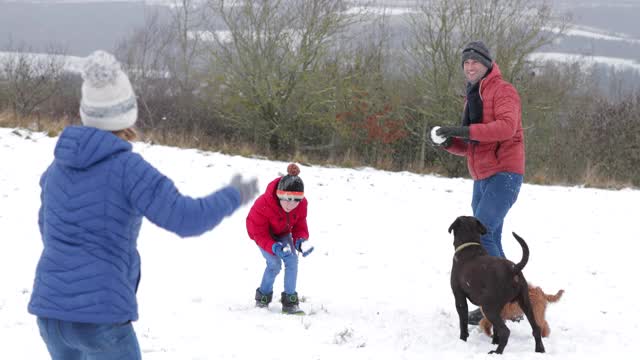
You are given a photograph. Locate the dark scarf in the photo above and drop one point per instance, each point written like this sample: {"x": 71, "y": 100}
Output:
{"x": 473, "y": 109}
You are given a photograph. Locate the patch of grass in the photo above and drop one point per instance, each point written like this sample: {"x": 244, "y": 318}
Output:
{"x": 592, "y": 176}
{"x": 51, "y": 127}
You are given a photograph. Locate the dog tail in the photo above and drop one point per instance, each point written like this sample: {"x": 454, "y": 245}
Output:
{"x": 554, "y": 298}
{"x": 525, "y": 253}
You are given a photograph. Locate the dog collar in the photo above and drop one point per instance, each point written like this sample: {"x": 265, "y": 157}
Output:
{"x": 465, "y": 245}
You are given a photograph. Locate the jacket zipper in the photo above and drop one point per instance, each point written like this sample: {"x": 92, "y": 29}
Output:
{"x": 291, "y": 241}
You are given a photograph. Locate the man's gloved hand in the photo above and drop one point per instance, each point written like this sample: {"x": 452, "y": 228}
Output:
{"x": 247, "y": 188}
{"x": 453, "y": 131}
{"x": 281, "y": 251}
{"x": 439, "y": 141}
{"x": 303, "y": 249}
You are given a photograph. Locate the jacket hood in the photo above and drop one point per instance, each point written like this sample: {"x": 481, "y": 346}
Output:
{"x": 81, "y": 147}
{"x": 494, "y": 73}
{"x": 270, "y": 193}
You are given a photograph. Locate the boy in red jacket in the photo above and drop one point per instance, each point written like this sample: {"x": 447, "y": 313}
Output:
{"x": 277, "y": 222}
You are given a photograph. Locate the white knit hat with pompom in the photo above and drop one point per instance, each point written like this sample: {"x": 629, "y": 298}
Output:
{"x": 108, "y": 101}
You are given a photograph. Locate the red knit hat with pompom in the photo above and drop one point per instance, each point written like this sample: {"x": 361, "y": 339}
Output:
{"x": 290, "y": 186}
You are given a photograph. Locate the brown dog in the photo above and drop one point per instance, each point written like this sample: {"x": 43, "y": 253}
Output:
{"x": 487, "y": 281}
{"x": 539, "y": 302}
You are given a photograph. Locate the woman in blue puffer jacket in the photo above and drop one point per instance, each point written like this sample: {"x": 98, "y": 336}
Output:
{"x": 94, "y": 195}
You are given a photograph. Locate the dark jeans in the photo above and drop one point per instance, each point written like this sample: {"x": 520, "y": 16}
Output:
{"x": 68, "y": 340}
{"x": 492, "y": 199}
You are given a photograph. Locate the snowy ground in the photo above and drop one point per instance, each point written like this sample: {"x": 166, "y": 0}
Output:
{"x": 377, "y": 286}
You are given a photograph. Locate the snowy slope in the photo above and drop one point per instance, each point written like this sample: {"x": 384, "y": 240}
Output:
{"x": 377, "y": 286}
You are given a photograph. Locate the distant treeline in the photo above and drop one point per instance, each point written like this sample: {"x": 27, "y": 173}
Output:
{"x": 288, "y": 81}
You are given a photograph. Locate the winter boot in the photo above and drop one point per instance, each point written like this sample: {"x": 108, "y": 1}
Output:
{"x": 475, "y": 316}
{"x": 290, "y": 304}
{"x": 263, "y": 300}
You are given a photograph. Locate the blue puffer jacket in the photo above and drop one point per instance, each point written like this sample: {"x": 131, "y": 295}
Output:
{"x": 94, "y": 196}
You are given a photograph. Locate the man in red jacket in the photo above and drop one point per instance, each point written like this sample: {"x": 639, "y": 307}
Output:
{"x": 492, "y": 140}
{"x": 277, "y": 222}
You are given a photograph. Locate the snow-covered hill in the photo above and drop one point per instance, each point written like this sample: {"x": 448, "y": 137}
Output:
{"x": 377, "y": 286}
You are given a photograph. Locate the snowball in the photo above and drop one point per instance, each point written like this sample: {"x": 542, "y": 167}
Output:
{"x": 435, "y": 138}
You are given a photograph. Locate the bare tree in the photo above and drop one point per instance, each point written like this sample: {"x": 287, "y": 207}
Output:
{"x": 143, "y": 53}
{"x": 186, "y": 59}
{"x": 433, "y": 67}
{"x": 165, "y": 59}
{"x": 368, "y": 97}
{"x": 30, "y": 79}
{"x": 513, "y": 29}
{"x": 270, "y": 58}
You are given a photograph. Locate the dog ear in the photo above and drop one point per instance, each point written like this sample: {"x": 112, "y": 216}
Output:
{"x": 483, "y": 230}
{"x": 454, "y": 225}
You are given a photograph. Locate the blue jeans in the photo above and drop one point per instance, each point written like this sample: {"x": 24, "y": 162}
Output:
{"x": 274, "y": 265}
{"x": 492, "y": 199}
{"x": 67, "y": 340}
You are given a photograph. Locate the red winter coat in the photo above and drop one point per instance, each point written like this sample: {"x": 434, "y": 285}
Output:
{"x": 499, "y": 141}
{"x": 267, "y": 220}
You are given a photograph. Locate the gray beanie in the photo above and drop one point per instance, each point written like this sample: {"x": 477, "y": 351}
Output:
{"x": 477, "y": 50}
